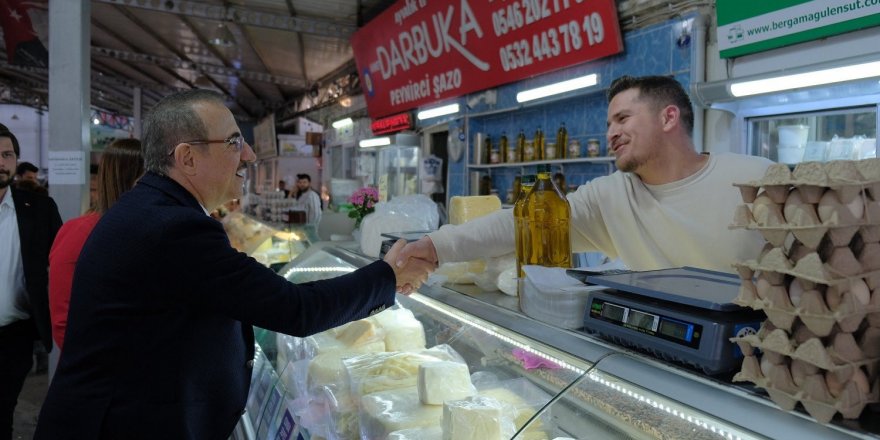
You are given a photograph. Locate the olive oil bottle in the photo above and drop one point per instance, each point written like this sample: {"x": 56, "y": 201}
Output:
{"x": 521, "y": 231}
{"x": 519, "y": 216}
{"x": 548, "y": 216}
{"x": 562, "y": 141}
{"x": 539, "y": 144}
{"x": 503, "y": 146}
{"x": 521, "y": 145}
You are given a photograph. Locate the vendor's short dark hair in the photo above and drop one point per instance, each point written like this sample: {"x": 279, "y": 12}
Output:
{"x": 660, "y": 91}
{"x": 304, "y": 176}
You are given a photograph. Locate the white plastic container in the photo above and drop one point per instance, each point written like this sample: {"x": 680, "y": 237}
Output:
{"x": 790, "y": 155}
{"x": 793, "y": 135}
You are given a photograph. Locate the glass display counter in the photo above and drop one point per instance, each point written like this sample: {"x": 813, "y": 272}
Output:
{"x": 566, "y": 384}
{"x": 272, "y": 244}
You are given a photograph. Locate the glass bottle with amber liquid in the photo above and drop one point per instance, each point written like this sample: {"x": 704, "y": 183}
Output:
{"x": 521, "y": 227}
{"x": 521, "y": 145}
{"x": 539, "y": 144}
{"x": 487, "y": 150}
{"x": 503, "y": 146}
{"x": 548, "y": 216}
{"x": 562, "y": 141}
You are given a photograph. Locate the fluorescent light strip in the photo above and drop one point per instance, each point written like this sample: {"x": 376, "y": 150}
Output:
{"x": 342, "y": 123}
{"x": 560, "y": 87}
{"x": 375, "y": 142}
{"x": 806, "y": 79}
{"x": 438, "y": 111}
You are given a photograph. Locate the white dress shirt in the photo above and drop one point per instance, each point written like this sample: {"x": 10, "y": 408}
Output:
{"x": 13, "y": 296}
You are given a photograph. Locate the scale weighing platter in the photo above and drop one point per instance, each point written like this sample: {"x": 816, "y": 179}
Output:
{"x": 683, "y": 315}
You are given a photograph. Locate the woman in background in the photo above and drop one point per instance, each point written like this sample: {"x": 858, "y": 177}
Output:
{"x": 121, "y": 166}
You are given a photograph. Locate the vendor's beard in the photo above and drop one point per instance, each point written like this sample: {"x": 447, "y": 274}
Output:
{"x": 4, "y": 182}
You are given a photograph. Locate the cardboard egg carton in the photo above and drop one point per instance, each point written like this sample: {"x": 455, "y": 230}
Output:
{"x": 841, "y": 267}
{"x": 838, "y": 353}
{"x": 819, "y": 307}
{"x": 811, "y": 222}
{"x": 845, "y": 176}
{"x": 822, "y": 393}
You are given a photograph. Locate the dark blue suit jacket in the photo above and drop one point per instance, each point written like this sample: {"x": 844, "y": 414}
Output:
{"x": 159, "y": 343}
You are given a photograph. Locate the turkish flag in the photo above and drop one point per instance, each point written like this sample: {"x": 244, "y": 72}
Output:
{"x": 23, "y": 47}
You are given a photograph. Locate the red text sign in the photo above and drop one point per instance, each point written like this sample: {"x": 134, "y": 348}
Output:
{"x": 393, "y": 123}
{"x": 422, "y": 51}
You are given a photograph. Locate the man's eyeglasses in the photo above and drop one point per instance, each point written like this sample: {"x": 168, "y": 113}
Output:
{"x": 235, "y": 142}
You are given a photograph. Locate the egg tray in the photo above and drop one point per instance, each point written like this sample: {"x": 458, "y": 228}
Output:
{"x": 841, "y": 354}
{"x": 812, "y": 392}
{"x": 812, "y": 308}
{"x": 810, "y": 268}
{"x": 838, "y": 174}
{"x": 811, "y": 236}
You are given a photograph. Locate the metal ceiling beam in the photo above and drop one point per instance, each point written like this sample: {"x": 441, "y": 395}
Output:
{"x": 177, "y": 63}
{"x": 241, "y": 16}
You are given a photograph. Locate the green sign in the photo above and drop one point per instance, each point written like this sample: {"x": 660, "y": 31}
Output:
{"x": 746, "y": 27}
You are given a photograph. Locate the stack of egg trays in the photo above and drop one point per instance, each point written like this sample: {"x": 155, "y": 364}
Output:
{"x": 818, "y": 281}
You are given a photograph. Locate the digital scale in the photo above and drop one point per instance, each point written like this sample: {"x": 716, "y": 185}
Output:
{"x": 684, "y": 315}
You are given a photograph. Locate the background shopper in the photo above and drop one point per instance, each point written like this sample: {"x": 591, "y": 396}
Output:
{"x": 28, "y": 224}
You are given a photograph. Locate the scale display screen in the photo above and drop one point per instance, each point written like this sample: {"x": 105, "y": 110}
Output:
{"x": 681, "y": 332}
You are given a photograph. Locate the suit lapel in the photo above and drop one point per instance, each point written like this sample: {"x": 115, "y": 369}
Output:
{"x": 24, "y": 214}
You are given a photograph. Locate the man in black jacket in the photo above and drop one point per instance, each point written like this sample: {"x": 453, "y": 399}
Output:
{"x": 159, "y": 341}
{"x": 28, "y": 224}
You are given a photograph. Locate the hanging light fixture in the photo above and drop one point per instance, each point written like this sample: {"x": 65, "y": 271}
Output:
{"x": 222, "y": 36}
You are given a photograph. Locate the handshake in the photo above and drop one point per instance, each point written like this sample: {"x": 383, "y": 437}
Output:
{"x": 412, "y": 263}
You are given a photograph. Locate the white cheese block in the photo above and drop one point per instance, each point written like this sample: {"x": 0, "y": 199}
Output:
{"x": 358, "y": 333}
{"x": 443, "y": 380}
{"x": 389, "y": 370}
{"x": 475, "y": 418}
{"x": 394, "y": 410}
{"x": 521, "y": 411}
{"x": 403, "y": 332}
{"x": 466, "y": 208}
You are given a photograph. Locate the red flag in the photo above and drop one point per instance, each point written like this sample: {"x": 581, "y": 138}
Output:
{"x": 22, "y": 44}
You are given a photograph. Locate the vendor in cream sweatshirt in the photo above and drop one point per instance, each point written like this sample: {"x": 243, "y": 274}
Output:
{"x": 666, "y": 206}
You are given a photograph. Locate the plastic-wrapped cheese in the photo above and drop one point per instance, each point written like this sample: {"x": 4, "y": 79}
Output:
{"x": 443, "y": 380}
{"x": 392, "y": 370}
{"x": 466, "y": 208}
{"x": 432, "y": 433}
{"x": 394, "y": 410}
{"x": 403, "y": 332}
{"x": 476, "y": 418}
{"x": 327, "y": 368}
{"x": 358, "y": 333}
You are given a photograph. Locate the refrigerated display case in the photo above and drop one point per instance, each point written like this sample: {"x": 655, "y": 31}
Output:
{"x": 570, "y": 384}
{"x": 836, "y": 134}
{"x": 272, "y": 244}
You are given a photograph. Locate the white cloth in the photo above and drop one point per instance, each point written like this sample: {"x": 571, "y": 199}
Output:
{"x": 13, "y": 296}
{"x": 683, "y": 223}
{"x": 310, "y": 202}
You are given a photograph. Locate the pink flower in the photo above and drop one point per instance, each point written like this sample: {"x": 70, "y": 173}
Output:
{"x": 363, "y": 202}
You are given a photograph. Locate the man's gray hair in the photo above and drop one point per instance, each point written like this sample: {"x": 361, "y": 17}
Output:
{"x": 174, "y": 120}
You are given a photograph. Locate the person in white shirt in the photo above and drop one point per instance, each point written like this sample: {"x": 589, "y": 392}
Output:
{"x": 308, "y": 199}
{"x": 666, "y": 206}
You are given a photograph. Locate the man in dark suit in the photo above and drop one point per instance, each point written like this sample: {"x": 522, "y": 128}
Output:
{"x": 159, "y": 343}
{"x": 28, "y": 224}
